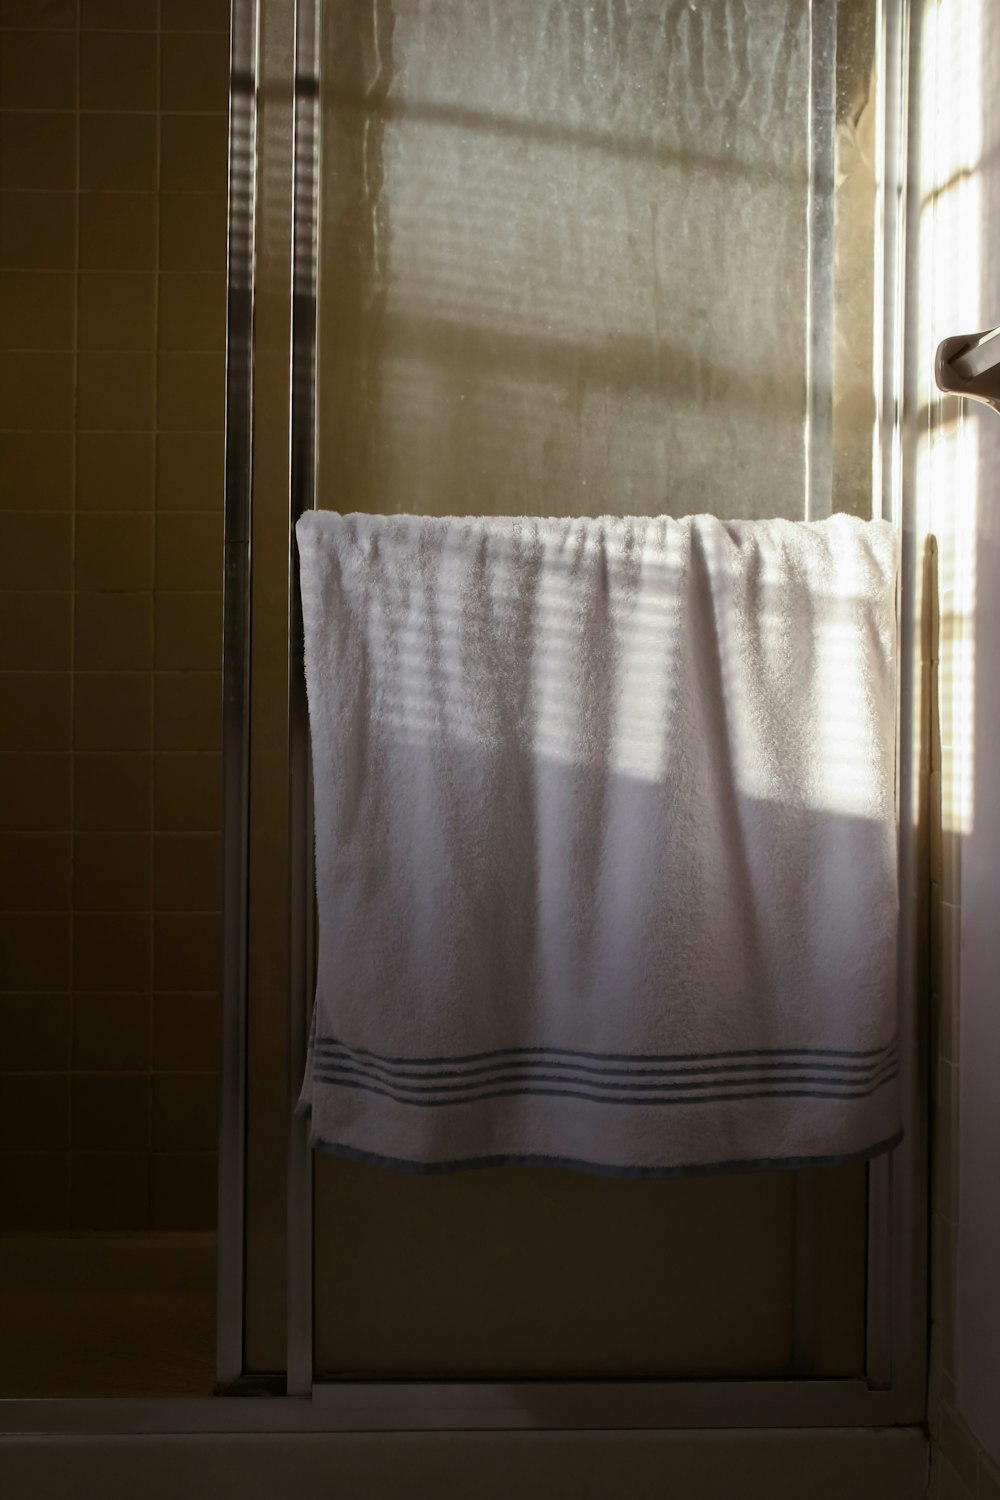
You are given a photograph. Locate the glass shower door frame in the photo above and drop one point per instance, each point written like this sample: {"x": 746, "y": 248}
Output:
{"x": 892, "y": 1388}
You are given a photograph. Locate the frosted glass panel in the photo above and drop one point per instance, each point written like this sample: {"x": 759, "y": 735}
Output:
{"x": 565, "y": 256}
{"x": 583, "y": 256}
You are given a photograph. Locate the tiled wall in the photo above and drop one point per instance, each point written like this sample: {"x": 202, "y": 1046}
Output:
{"x": 113, "y": 144}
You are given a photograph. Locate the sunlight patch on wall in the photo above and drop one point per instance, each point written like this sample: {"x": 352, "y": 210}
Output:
{"x": 950, "y": 232}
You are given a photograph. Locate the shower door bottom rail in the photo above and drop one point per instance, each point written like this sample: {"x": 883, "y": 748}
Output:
{"x": 620, "y": 1405}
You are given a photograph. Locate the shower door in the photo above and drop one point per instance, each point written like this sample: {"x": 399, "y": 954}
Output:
{"x": 564, "y": 257}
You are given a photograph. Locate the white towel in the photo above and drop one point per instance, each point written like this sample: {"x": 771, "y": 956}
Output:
{"x": 605, "y": 840}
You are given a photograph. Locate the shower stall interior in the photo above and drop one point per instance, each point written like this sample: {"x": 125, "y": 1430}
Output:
{"x": 552, "y": 259}
{"x": 548, "y": 257}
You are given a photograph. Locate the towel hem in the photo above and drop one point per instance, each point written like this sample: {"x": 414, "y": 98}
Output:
{"x": 602, "y": 1169}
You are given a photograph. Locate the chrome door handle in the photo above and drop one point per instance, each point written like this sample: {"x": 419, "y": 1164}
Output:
{"x": 969, "y": 365}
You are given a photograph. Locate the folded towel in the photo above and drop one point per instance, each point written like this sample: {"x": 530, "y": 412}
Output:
{"x": 605, "y": 840}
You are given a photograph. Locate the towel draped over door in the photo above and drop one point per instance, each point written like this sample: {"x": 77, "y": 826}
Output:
{"x": 605, "y": 840}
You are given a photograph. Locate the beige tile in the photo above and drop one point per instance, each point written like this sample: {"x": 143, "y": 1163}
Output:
{"x": 117, "y": 70}
{"x": 35, "y": 631}
{"x": 194, "y": 15}
{"x": 38, "y": 70}
{"x": 188, "y": 632}
{"x": 190, "y": 471}
{"x": 187, "y": 951}
{"x": 37, "y": 151}
{"x": 36, "y": 309}
{"x": 110, "y": 951}
{"x": 187, "y": 711}
{"x": 118, "y": 15}
{"x": 113, "y": 791}
{"x": 35, "y": 791}
{"x": 186, "y": 1031}
{"x": 110, "y": 1109}
{"x": 37, "y": 13}
{"x": 115, "y": 391}
{"x": 194, "y": 72}
{"x": 34, "y": 1112}
{"x": 114, "y": 632}
{"x": 112, "y": 872}
{"x": 189, "y": 551}
{"x": 118, "y": 152}
{"x": 37, "y": 231}
{"x": 35, "y": 1033}
{"x": 34, "y": 872}
{"x": 114, "y": 551}
{"x": 191, "y": 393}
{"x": 112, "y": 711}
{"x": 36, "y": 391}
{"x": 34, "y": 711}
{"x": 193, "y": 228}
{"x": 36, "y": 470}
{"x": 34, "y": 1190}
{"x": 115, "y": 471}
{"x": 193, "y": 153}
{"x": 34, "y": 951}
{"x": 187, "y": 872}
{"x": 184, "y": 1190}
{"x": 117, "y": 310}
{"x": 188, "y": 797}
{"x": 110, "y": 1190}
{"x": 36, "y": 550}
{"x": 185, "y": 1112}
{"x": 111, "y": 1033}
{"x": 117, "y": 231}
{"x": 192, "y": 310}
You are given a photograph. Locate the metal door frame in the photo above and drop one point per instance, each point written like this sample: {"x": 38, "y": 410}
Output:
{"x": 893, "y": 1389}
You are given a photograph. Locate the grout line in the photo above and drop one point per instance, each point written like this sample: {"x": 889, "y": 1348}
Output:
{"x": 117, "y": 192}
{"x": 110, "y": 1072}
{"x": 144, "y": 349}
{"x": 105, "y": 271}
{"x": 97, "y": 592}
{"x": 113, "y": 30}
{"x": 106, "y": 510}
{"x": 74, "y": 473}
{"x": 92, "y": 109}
{"x": 112, "y": 911}
{"x": 174, "y": 432}
{"x": 157, "y": 229}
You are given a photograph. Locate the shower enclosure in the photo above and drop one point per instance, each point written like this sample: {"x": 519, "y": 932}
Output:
{"x": 553, "y": 257}
{"x": 635, "y": 256}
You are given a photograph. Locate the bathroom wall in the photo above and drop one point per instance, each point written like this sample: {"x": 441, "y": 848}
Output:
{"x": 977, "y": 1313}
{"x": 113, "y": 142}
{"x": 957, "y": 211}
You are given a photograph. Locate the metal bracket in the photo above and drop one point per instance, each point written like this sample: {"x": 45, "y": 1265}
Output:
{"x": 969, "y": 365}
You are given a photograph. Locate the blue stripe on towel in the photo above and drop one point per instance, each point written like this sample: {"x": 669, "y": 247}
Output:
{"x": 354, "y": 1081}
{"x": 332, "y": 1072}
{"x": 321, "y": 1042}
{"x": 338, "y": 1053}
